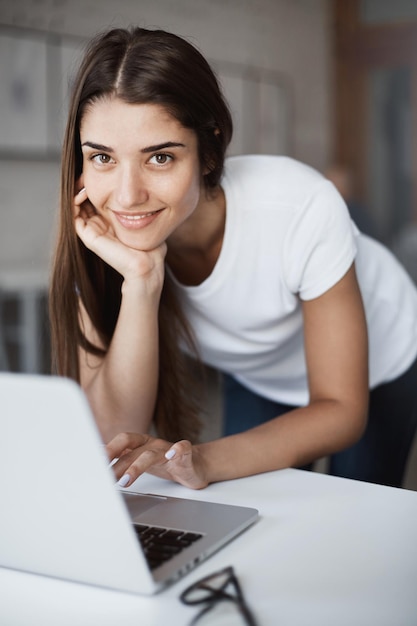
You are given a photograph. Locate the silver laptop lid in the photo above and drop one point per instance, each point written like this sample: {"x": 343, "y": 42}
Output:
{"x": 61, "y": 515}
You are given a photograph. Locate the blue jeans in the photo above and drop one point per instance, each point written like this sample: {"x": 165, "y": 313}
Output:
{"x": 380, "y": 456}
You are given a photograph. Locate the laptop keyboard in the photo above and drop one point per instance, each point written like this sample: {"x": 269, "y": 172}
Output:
{"x": 161, "y": 544}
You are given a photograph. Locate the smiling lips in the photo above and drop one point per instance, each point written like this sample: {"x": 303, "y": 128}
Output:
{"x": 135, "y": 221}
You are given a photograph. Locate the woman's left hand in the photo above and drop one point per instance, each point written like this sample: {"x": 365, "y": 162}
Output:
{"x": 137, "y": 454}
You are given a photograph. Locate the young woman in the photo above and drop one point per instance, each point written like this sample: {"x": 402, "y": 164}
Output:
{"x": 254, "y": 266}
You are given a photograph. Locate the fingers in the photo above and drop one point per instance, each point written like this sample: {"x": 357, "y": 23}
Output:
{"x": 136, "y": 454}
{"x": 129, "y": 470}
{"x": 133, "y": 454}
{"x": 182, "y": 463}
{"x": 80, "y": 196}
{"x": 184, "y": 466}
{"x": 179, "y": 450}
{"x": 89, "y": 225}
{"x": 83, "y": 210}
{"x": 123, "y": 443}
{"x": 82, "y": 206}
{"x": 98, "y": 234}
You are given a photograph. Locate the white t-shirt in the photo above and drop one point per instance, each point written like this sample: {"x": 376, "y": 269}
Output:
{"x": 289, "y": 236}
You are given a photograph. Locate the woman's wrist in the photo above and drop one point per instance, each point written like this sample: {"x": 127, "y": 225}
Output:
{"x": 210, "y": 463}
{"x": 145, "y": 290}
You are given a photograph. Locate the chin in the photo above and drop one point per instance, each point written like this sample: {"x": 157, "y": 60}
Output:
{"x": 140, "y": 243}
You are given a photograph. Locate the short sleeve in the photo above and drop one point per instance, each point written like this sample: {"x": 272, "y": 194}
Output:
{"x": 319, "y": 246}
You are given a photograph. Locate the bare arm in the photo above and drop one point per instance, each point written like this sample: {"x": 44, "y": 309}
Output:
{"x": 337, "y": 365}
{"x": 122, "y": 386}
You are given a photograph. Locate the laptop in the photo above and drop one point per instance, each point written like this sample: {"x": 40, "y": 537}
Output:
{"x": 62, "y": 514}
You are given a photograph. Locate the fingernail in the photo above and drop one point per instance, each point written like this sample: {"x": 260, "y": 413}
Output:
{"x": 170, "y": 454}
{"x": 81, "y": 190}
{"x": 124, "y": 480}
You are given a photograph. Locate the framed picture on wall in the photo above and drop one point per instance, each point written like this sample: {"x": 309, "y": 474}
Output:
{"x": 23, "y": 94}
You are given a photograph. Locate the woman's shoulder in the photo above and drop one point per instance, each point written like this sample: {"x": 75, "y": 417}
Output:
{"x": 284, "y": 177}
{"x": 272, "y": 163}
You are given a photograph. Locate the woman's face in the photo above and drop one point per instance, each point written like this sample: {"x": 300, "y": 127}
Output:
{"x": 141, "y": 170}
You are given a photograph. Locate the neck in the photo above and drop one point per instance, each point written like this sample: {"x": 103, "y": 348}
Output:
{"x": 193, "y": 249}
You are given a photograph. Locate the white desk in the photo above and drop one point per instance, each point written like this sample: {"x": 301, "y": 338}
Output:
{"x": 326, "y": 551}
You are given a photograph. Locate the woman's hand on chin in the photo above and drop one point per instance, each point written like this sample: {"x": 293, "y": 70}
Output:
{"x": 133, "y": 454}
{"x": 99, "y": 237}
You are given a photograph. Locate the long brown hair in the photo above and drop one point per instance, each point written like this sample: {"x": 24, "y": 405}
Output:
{"x": 137, "y": 66}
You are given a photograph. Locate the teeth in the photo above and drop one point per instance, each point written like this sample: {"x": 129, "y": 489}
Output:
{"x": 135, "y": 218}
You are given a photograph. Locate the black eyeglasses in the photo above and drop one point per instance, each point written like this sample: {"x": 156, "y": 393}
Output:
{"x": 210, "y": 590}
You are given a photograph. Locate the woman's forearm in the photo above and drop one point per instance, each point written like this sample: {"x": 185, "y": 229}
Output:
{"x": 122, "y": 387}
{"x": 291, "y": 440}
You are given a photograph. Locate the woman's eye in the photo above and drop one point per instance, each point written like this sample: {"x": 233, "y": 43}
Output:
{"x": 101, "y": 159}
{"x": 160, "y": 158}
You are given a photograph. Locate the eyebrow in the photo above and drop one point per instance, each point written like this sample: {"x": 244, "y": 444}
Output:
{"x": 160, "y": 146}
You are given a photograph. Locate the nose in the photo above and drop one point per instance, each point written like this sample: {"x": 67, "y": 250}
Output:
{"x": 131, "y": 189}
